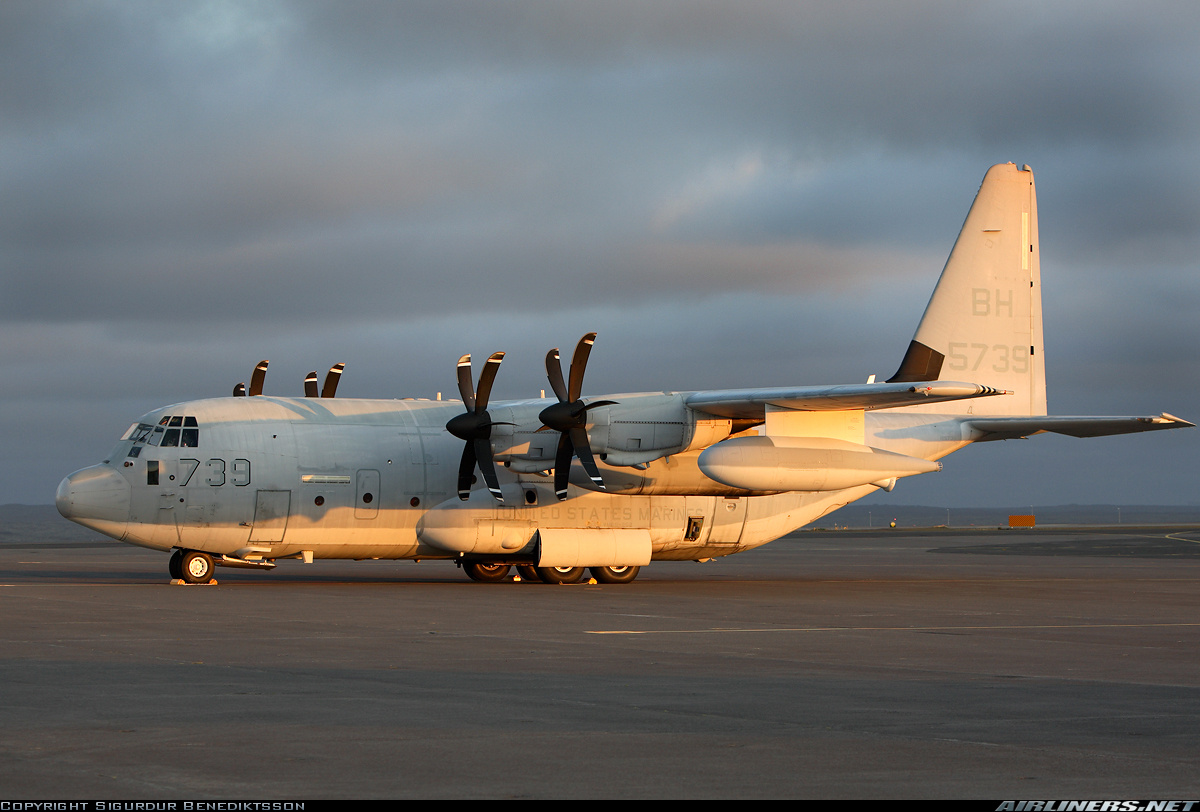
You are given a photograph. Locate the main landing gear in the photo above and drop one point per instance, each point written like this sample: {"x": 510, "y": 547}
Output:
{"x": 615, "y": 575}
{"x": 191, "y": 566}
{"x": 486, "y": 573}
{"x": 560, "y": 575}
{"x": 494, "y": 573}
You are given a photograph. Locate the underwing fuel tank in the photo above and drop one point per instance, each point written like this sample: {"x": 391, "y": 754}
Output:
{"x": 806, "y": 464}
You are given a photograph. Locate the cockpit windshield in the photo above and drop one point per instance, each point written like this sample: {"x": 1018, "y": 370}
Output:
{"x": 172, "y": 431}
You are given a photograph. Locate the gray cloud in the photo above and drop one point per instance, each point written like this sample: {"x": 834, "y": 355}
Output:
{"x": 762, "y": 193}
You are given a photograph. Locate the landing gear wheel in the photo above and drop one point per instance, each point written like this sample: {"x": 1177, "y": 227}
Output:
{"x": 486, "y": 573}
{"x": 528, "y": 573}
{"x": 196, "y": 567}
{"x": 560, "y": 575}
{"x": 175, "y": 565}
{"x": 615, "y": 575}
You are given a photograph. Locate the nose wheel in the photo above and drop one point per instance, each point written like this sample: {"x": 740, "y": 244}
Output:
{"x": 191, "y": 566}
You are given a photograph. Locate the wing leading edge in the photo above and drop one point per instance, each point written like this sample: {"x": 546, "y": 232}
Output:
{"x": 1011, "y": 428}
{"x": 751, "y": 404}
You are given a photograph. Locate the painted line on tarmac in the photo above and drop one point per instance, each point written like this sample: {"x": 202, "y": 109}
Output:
{"x": 902, "y": 628}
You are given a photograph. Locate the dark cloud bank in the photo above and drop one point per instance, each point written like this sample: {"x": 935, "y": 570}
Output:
{"x": 732, "y": 195}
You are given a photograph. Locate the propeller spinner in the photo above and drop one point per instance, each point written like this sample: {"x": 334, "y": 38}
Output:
{"x": 474, "y": 426}
{"x": 569, "y": 416}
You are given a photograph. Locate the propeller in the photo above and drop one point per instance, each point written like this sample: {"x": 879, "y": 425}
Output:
{"x": 474, "y": 426}
{"x": 331, "y": 382}
{"x": 256, "y": 382}
{"x": 569, "y": 416}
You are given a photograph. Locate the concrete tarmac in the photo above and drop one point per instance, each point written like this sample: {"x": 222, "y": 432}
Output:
{"x": 874, "y": 664}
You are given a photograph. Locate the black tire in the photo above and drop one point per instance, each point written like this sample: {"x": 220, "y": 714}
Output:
{"x": 528, "y": 573}
{"x": 615, "y": 575}
{"x": 196, "y": 567}
{"x": 486, "y": 573}
{"x": 560, "y": 575}
{"x": 175, "y": 565}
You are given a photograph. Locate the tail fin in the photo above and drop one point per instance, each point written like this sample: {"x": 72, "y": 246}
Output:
{"x": 983, "y": 323}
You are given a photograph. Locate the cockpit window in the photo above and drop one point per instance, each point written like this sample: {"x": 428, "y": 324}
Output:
{"x": 186, "y": 437}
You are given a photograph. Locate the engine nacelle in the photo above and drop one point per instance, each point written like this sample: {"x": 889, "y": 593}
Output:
{"x": 761, "y": 463}
{"x": 634, "y": 432}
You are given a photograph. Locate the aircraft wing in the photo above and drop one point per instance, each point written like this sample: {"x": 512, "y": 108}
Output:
{"x": 742, "y": 404}
{"x": 1011, "y": 428}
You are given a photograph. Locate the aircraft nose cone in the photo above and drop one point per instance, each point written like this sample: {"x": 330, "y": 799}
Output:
{"x": 95, "y": 497}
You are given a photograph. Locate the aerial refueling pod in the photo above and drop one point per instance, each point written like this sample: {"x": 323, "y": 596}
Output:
{"x": 763, "y": 463}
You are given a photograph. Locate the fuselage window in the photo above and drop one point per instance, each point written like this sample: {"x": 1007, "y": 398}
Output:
{"x": 151, "y": 472}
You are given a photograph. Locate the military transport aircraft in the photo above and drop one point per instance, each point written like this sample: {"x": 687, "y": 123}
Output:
{"x": 247, "y": 480}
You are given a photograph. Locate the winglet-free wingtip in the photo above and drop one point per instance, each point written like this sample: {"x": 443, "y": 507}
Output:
{"x": 1169, "y": 418}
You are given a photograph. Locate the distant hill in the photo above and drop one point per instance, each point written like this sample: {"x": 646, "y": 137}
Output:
{"x": 857, "y": 515}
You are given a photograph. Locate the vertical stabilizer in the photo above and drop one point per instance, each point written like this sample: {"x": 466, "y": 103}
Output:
{"x": 983, "y": 323}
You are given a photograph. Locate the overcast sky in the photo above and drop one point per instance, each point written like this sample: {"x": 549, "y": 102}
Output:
{"x": 730, "y": 194}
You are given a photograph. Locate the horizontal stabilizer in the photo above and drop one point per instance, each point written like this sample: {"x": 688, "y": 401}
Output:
{"x": 1011, "y": 428}
{"x": 750, "y": 404}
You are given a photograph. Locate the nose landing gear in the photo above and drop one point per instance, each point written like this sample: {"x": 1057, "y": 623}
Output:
{"x": 191, "y": 566}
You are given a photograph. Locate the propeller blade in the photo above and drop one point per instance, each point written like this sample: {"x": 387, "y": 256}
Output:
{"x": 554, "y": 373}
{"x": 583, "y": 450}
{"x": 466, "y": 386}
{"x": 579, "y": 364}
{"x": 466, "y": 468}
{"x": 310, "y": 385}
{"x": 256, "y": 379}
{"x": 331, "y": 380}
{"x": 483, "y": 458}
{"x": 239, "y": 391}
{"x": 486, "y": 378}
{"x": 562, "y": 465}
